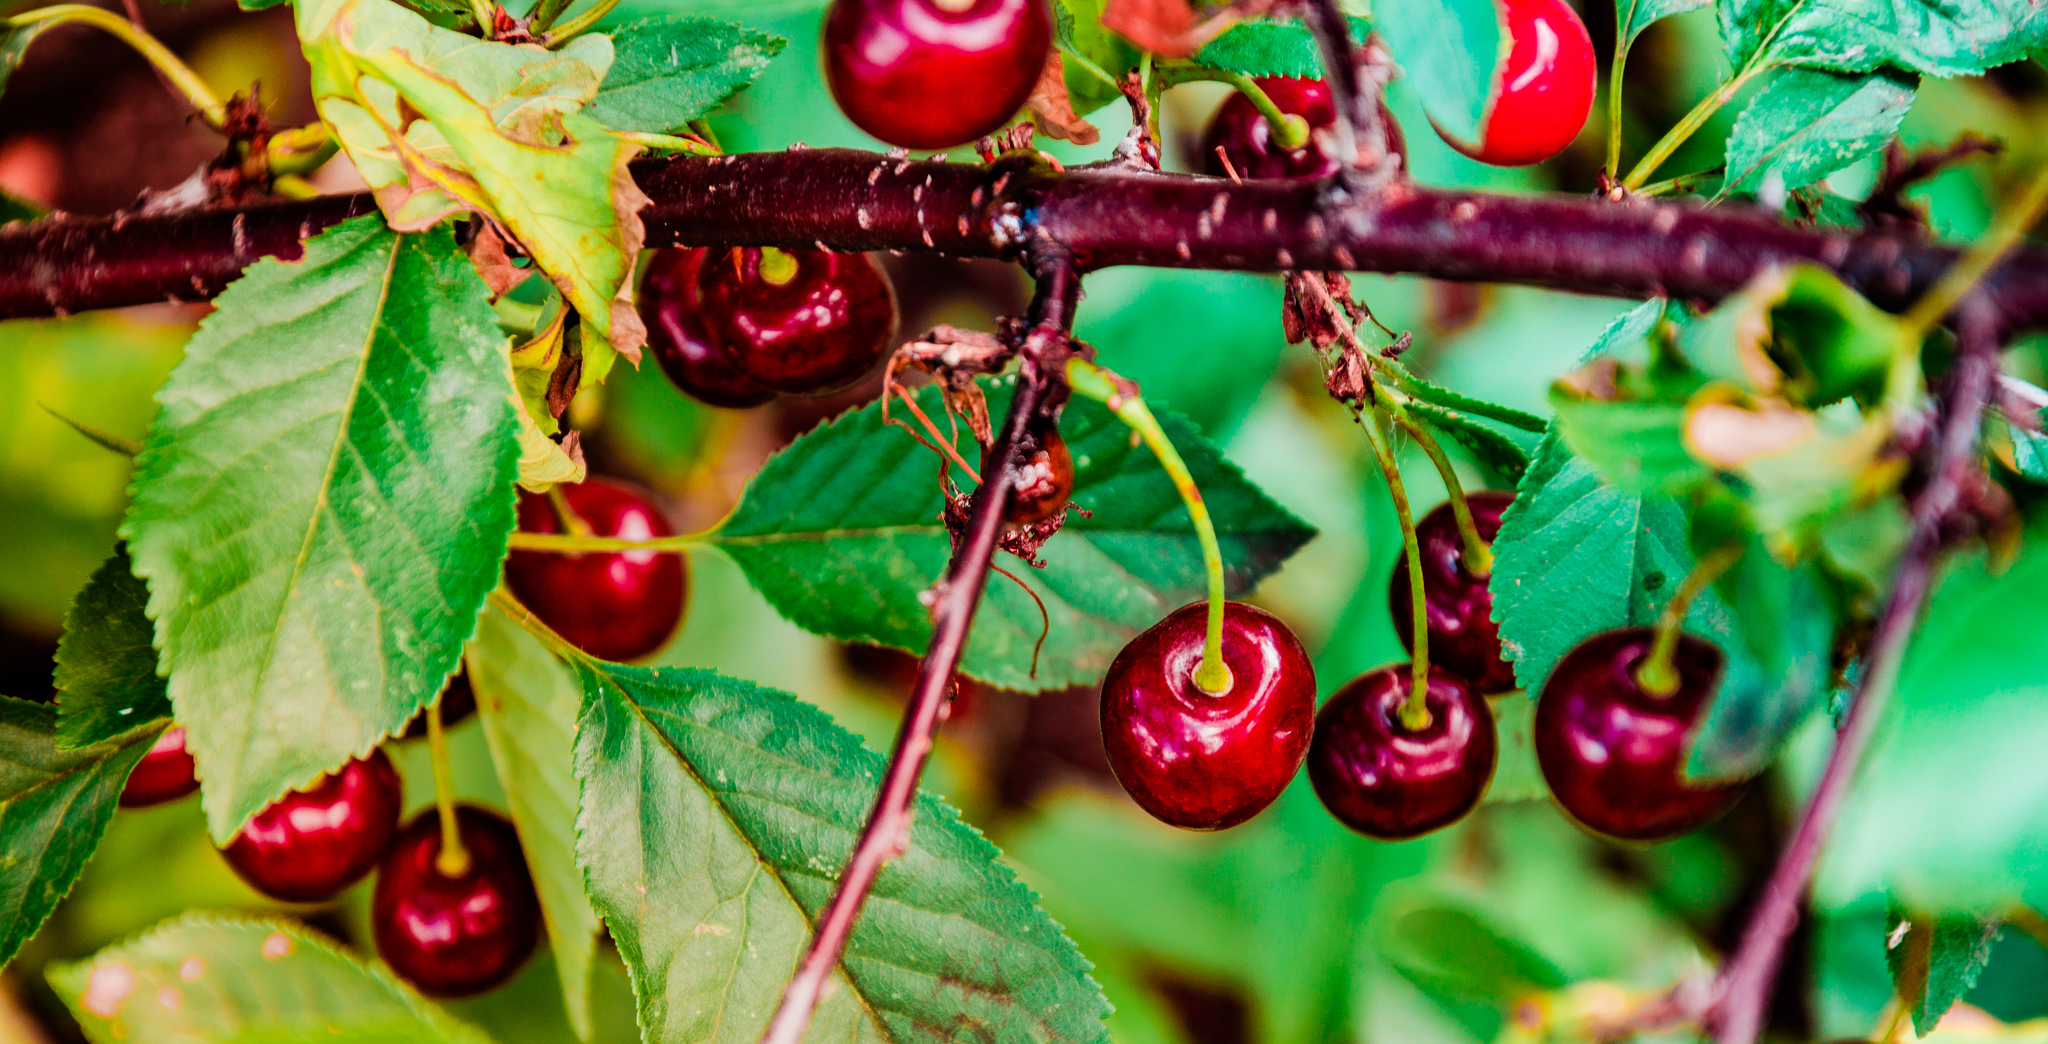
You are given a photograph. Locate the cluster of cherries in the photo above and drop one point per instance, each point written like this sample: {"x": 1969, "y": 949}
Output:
{"x": 1611, "y": 747}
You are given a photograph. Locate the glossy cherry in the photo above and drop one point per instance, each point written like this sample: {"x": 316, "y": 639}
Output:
{"x": 458, "y": 701}
{"x": 805, "y": 322}
{"x": 615, "y": 605}
{"x": 672, "y": 309}
{"x": 1044, "y": 484}
{"x": 1247, "y": 138}
{"x": 1384, "y": 780}
{"x": 1542, "y": 92}
{"x": 1462, "y": 635}
{"x": 164, "y": 774}
{"x": 1613, "y": 753}
{"x": 928, "y": 74}
{"x": 1201, "y": 761}
{"x": 455, "y": 936}
{"x": 313, "y": 843}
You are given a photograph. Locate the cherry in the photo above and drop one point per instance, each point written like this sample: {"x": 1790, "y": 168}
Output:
{"x": 1247, "y": 139}
{"x": 164, "y": 774}
{"x": 458, "y": 701}
{"x": 1542, "y": 92}
{"x": 310, "y": 844}
{"x": 461, "y": 935}
{"x": 1201, "y": 761}
{"x": 697, "y": 364}
{"x": 1614, "y": 754}
{"x": 1384, "y": 780}
{"x": 1462, "y": 635}
{"x": 926, "y": 74}
{"x": 1044, "y": 483}
{"x": 806, "y": 322}
{"x": 615, "y": 605}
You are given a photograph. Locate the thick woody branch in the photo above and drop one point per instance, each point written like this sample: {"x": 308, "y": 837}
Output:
{"x": 851, "y": 200}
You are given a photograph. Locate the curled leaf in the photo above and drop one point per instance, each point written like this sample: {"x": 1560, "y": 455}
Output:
{"x": 1052, "y": 109}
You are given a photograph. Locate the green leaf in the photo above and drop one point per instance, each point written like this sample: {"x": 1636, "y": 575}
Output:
{"x": 1637, "y": 445}
{"x": 14, "y": 41}
{"x": 2029, "y": 453}
{"x": 1448, "y": 49}
{"x": 54, "y": 807}
{"x": 1807, "y": 124}
{"x": 716, "y": 817}
{"x": 528, "y": 702}
{"x": 673, "y": 69}
{"x": 205, "y": 977}
{"x": 106, "y": 662}
{"x": 1272, "y": 48}
{"x": 1796, "y": 333}
{"x": 1634, "y": 16}
{"x": 1438, "y": 395}
{"x": 1948, "y": 38}
{"x": 1776, "y": 629}
{"x": 1506, "y": 457}
{"x": 322, "y": 505}
{"x": 841, "y": 533}
{"x": 14, "y": 208}
{"x": 1078, "y": 31}
{"x": 1935, "y": 960}
{"x": 1454, "y": 950}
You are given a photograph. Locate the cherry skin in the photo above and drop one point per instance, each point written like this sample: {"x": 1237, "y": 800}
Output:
{"x": 1613, "y": 754}
{"x": 310, "y": 844}
{"x": 455, "y": 936}
{"x": 1201, "y": 761}
{"x": 1542, "y": 92}
{"x": 1384, "y": 780}
{"x": 1247, "y": 139}
{"x": 1462, "y": 635}
{"x": 615, "y": 605}
{"x": 458, "y": 701}
{"x": 1044, "y": 484}
{"x": 805, "y": 322}
{"x": 164, "y": 774}
{"x": 672, "y": 309}
{"x": 928, "y": 74}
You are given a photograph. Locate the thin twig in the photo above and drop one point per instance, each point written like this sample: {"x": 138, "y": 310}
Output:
{"x": 1358, "y": 126}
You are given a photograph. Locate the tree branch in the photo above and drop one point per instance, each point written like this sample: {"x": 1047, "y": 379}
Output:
{"x": 851, "y": 200}
{"x": 1040, "y": 389}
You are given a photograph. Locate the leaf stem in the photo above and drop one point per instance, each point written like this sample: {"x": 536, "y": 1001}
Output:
{"x": 210, "y": 107}
{"x": 577, "y": 25}
{"x": 1683, "y": 131}
{"x": 485, "y": 17}
{"x": 1415, "y": 711}
{"x": 668, "y": 143}
{"x": 1290, "y": 131}
{"x": 1658, "y": 675}
{"x": 1212, "y": 675}
{"x": 453, "y": 860}
{"x": 2029, "y": 920}
{"x": 545, "y": 13}
{"x": 1478, "y": 557}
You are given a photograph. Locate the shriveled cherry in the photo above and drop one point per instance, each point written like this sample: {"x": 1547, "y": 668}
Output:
{"x": 164, "y": 774}
{"x": 1202, "y": 761}
{"x": 927, "y": 74}
{"x": 458, "y": 701}
{"x": 1045, "y": 482}
{"x": 805, "y": 322}
{"x": 311, "y": 844}
{"x": 460, "y": 935}
{"x": 1462, "y": 635}
{"x": 1613, "y": 753}
{"x": 1542, "y": 91}
{"x": 1385, "y": 780}
{"x": 616, "y": 605}
{"x": 673, "y": 311}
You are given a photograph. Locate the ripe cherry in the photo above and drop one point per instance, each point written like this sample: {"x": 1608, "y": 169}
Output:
{"x": 806, "y": 322}
{"x": 1247, "y": 138}
{"x": 1462, "y": 635}
{"x": 1542, "y": 91}
{"x": 311, "y": 844}
{"x": 453, "y": 936}
{"x": 1202, "y": 761}
{"x": 1385, "y": 780}
{"x": 616, "y": 605}
{"x": 458, "y": 701}
{"x": 1044, "y": 483}
{"x": 164, "y": 774}
{"x": 672, "y": 309}
{"x": 1613, "y": 753}
{"x": 927, "y": 74}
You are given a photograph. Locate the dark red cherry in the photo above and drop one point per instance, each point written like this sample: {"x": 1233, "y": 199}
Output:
{"x": 1613, "y": 754}
{"x": 1462, "y": 635}
{"x": 164, "y": 774}
{"x": 672, "y": 309}
{"x": 1044, "y": 484}
{"x": 313, "y": 843}
{"x": 1543, "y": 89}
{"x": 928, "y": 74}
{"x": 1381, "y": 778}
{"x": 615, "y": 605}
{"x": 1247, "y": 138}
{"x": 455, "y": 936}
{"x": 806, "y": 322}
{"x": 1199, "y": 761}
{"x": 458, "y": 701}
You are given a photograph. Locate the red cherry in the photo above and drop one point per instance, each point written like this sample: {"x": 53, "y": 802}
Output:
{"x": 458, "y": 701}
{"x": 1544, "y": 90}
{"x": 311, "y": 844}
{"x": 1462, "y": 635}
{"x": 1044, "y": 484}
{"x": 1614, "y": 755}
{"x": 927, "y": 74}
{"x": 1247, "y": 139}
{"x": 670, "y": 306}
{"x": 1383, "y": 780}
{"x": 455, "y": 936}
{"x": 164, "y": 774}
{"x": 806, "y": 322}
{"x": 615, "y": 605}
{"x": 1199, "y": 761}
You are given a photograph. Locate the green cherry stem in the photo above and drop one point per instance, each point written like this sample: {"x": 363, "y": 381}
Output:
{"x": 569, "y": 543}
{"x": 1290, "y": 131}
{"x": 570, "y": 520}
{"x": 1212, "y": 675}
{"x": 211, "y": 108}
{"x": 454, "y": 859}
{"x": 667, "y": 143}
{"x": 1478, "y": 556}
{"x": 1414, "y": 712}
{"x": 1683, "y": 131}
{"x": 2012, "y": 221}
{"x": 575, "y": 26}
{"x": 1658, "y": 676}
